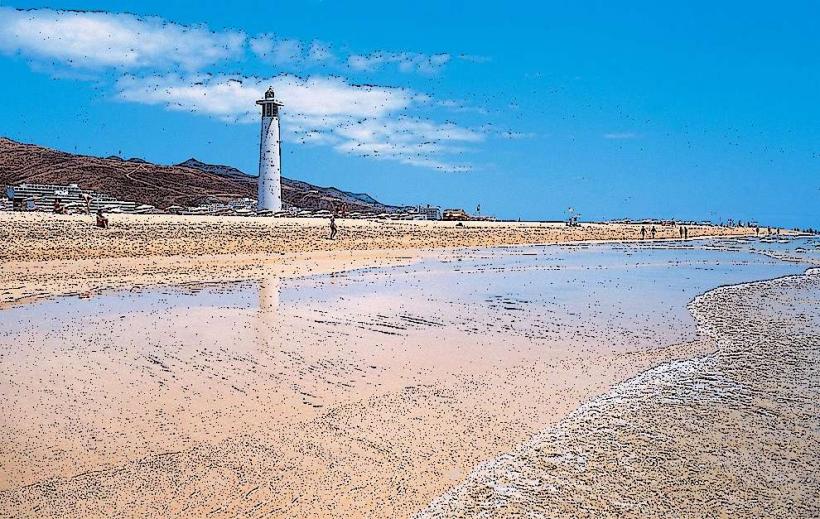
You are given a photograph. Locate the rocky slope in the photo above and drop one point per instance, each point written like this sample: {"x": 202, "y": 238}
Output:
{"x": 189, "y": 183}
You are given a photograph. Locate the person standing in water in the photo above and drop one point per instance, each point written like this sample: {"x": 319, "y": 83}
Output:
{"x": 333, "y": 228}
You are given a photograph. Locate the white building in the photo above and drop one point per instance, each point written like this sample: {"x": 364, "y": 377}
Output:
{"x": 41, "y": 197}
{"x": 429, "y": 212}
{"x": 270, "y": 157}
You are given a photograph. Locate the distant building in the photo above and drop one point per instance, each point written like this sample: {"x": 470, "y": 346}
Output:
{"x": 41, "y": 197}
{"x": 237, "y": 207}
{"x": 429, "y": 212}
{"x": 455, "y": 214}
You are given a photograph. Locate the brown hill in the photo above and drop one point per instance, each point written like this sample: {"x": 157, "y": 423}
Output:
{"x": 187, "y": 184}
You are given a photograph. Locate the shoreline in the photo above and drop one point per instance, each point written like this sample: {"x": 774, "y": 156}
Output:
{"x": 372, "y": 433}
{"x": 385, "y": 447}
{"x": 50, "y": 255}
{"x": 568, "y": 469}
{"x": 43, "y": 237}
{"x": 27, "y": 282}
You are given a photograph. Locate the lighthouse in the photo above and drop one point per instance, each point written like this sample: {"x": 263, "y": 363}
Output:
{"x": 270, "y": 158}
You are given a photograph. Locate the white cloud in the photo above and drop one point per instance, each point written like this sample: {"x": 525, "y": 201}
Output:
{"x": 290, "y": 52}
{"x": 233, "y": 99}
{"x": 363, "y": 120}
{"x": 407, "y": 140}
{"x": 437, "y": 164}
{"x": 271, "y": 49}
{"x": 405, "y": 61}
{"x": 93, "y": 40}
{"x": 97, "y": 39}
{"x": 276, "y": 51}
{"x": 228, "y": 100}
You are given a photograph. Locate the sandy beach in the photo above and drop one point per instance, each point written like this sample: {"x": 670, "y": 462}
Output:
{"x": 424, "y": 260}
{"x": 734, "y": 433}
{"x": 343, "y": 379}
{"x": 47, "y": 254}
{"x": 43, "y": 237}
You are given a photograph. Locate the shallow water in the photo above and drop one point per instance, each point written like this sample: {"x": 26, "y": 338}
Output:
{"x": 455, "y": 357}
{"x": 605, "y": 292}
{"x": 734, "y": 433}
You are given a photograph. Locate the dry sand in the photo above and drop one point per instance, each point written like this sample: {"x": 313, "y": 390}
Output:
{"x": 41, "y": 236}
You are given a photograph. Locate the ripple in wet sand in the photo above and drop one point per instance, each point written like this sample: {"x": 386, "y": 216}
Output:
{"x": 732, "y": 434}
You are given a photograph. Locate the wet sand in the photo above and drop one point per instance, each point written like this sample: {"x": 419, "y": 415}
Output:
{"x": 359, "y": 394}
{"x": 734, "y": 433}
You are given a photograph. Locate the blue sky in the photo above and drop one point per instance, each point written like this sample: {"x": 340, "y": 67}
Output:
{"x": 694, "y": 110}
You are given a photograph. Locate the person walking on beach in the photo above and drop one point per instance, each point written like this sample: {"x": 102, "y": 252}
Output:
{"x": 643, "y": 232}
{"x": 652, "y": 232}
{"x": 686, "y": 233}
{"x": 757, "y": 230}
{"x": 333, "y": 229}
{"x": 87, "y": 200}
{"x": 680, "y": 231}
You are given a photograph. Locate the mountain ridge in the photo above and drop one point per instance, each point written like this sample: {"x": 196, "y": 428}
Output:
{"x": 188, "y": 183}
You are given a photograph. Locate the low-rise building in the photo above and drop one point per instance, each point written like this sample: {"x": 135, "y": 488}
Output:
{"x": 42, "y": 197}
{"x": 455, "y": 214}
{"x": 430, "y": 212}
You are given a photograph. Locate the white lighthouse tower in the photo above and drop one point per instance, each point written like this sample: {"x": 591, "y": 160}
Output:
{"x": 270, "y": 158}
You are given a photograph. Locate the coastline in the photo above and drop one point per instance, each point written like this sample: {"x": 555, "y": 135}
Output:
{"x": 44, "y": 237}
{"x": 50, "y": 255}
{"x": 386, "y": 448}
{"x": 365, "y": 409}
{"x": 732, "y": 432}
{"x": 26, "y": 282}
